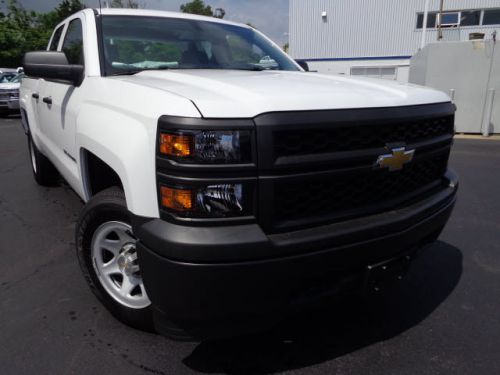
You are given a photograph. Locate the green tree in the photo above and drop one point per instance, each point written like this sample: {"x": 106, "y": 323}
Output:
{"x": 68, "y": 7}
{"x": 199, "y": 7}
{"x": 65, "y": 9}
{"x": 126, "y": 4}
{"x": 22, "y": 30}
{"x": 219, "y": 13}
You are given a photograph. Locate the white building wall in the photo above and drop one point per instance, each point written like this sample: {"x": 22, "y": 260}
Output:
{"x": 369, "y": 28}
{"x": 343, "y": 67}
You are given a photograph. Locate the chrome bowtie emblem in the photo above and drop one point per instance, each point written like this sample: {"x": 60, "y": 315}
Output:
{"x": 396, "y": 160}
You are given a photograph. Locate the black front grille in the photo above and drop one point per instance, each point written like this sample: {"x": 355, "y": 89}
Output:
{"x": 358, "y": 136}
{"x": 318, "y": 166}
{"x": 344, "y": 193}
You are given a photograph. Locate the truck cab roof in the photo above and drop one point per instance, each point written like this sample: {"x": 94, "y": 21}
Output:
{"x": 159, "y": 13}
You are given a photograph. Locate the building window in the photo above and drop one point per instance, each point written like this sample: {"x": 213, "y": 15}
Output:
{"x": 491, "y": 17}
{"x": 451, "y": 19}
{"x": 462, "y": 18}
{"x": 431, "y": 20}
{"x": 470, "y": 18}
{"x": 386, "y": 72}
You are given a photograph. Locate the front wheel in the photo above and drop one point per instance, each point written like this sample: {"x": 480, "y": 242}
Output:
{"x": 106, "y": 249}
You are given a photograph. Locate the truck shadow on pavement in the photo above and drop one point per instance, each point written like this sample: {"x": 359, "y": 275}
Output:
{"x": 341, "y": 328}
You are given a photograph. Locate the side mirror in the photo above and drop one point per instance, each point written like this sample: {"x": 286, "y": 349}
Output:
{"x": 52, "y": 65}
{"x": 303, "y": 64}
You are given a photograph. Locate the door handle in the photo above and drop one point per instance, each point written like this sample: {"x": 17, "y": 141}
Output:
{"x": 47, "y": 100}
{"x": 35, "y": 96}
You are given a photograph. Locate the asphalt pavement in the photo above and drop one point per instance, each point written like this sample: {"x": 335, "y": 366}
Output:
{"x": 444, "y": 318}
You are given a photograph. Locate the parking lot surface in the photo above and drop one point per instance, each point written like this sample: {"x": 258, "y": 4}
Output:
{"x": 444, "y": 318}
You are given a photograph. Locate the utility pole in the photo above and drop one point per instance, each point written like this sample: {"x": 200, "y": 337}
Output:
{"x": 424, "y": 25}
{"x": 440, "y": 20}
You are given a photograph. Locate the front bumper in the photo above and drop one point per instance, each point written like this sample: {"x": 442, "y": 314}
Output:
{"x": 213, "y": 280}
{"x": 9, "y": 105}
{"x": 13, "y": 104}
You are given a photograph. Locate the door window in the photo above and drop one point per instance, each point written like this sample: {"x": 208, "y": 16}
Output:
{"x": 73, "y": 43}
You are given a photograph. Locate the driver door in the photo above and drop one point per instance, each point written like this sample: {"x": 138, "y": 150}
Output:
{"x": 58, "y": 106}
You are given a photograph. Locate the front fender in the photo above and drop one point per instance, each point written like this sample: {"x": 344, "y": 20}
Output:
{"x": 119, "y": 126}
{"x": 127, "y": 145}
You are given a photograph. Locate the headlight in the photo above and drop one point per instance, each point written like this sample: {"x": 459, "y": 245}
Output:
{"x": 216, "y": 201}
{"x": 207, "y": 146}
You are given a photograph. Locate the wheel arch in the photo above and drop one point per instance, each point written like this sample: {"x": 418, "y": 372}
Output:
{"x": 97, "y": 175}
{"x": 25, "y": 121}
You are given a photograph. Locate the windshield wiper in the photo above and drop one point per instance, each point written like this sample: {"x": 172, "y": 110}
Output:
{"x": 135, "y": 71}
{"x": 249, "y": 67}
{"x": 127, "y": 73}
{"x": 253, "y": 69}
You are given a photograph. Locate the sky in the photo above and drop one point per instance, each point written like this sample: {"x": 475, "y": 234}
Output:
{"x": 269, "y": 16}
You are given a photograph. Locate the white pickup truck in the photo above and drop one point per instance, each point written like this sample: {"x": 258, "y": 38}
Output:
{"x": 221, "y": 194}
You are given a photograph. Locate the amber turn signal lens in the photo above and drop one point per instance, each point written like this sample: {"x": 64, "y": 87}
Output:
{"x": 177, "y": 199}
{"x": 176, "y": 144}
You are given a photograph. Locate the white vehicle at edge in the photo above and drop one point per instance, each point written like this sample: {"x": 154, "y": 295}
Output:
{"x": 9, "y": 95}
{"x": 121, "y": 127}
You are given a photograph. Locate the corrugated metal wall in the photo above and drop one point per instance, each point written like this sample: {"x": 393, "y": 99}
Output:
{"x": 368, "y": 28}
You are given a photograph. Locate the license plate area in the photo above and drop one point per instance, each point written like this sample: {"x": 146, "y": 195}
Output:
{"x": 384, "y": 274}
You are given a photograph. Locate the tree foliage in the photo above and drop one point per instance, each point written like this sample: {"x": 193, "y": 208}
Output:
{"x": 199, "y": 7}
{"x": 219, "y": 13}
{"x": 22, "y": 30}
{"x": 126, "y": 4}
{"x": 67, "y": 8}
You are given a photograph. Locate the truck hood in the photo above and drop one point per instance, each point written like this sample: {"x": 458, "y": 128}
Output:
{"x": 10, "y": 86}
{"x": 246, "y": 94}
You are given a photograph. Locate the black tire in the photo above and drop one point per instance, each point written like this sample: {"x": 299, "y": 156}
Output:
{"x": 44, "y": 172}
{"x": 107, "y": 206}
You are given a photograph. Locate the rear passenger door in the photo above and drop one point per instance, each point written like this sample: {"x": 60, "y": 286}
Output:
{"x": 58, "y": 104}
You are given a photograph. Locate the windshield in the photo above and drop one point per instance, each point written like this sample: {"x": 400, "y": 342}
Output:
{"x": 6, "y": 77}
{"x": 133, "y": 44}
{"x": 18, "y": 78}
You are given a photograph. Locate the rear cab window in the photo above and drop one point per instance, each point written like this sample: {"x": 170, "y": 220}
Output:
{"x": 54, "y": 43}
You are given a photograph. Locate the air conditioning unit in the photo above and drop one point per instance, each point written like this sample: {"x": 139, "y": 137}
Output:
{"x": 476, "y": 36}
